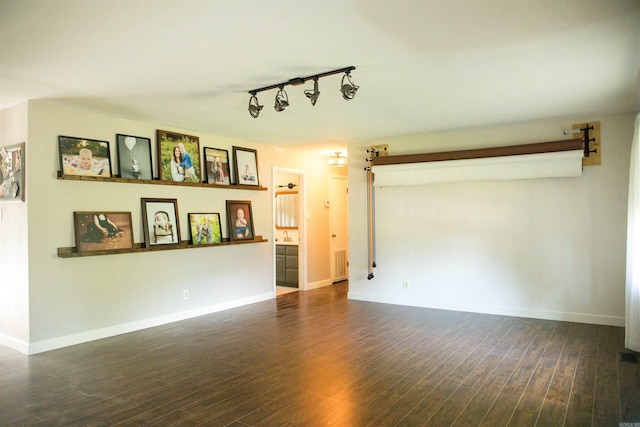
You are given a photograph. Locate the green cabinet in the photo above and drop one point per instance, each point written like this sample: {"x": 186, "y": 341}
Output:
{"x": 287, "y": 265}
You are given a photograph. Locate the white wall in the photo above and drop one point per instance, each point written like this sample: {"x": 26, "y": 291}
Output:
{"x": 14, "y": 289}
{"x": 547, "y": 248}
{"x": 77, "y": 299}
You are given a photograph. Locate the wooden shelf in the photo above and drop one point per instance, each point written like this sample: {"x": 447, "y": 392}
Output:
{"x": 158, "y": 182}
{"x": 72, "y": 252}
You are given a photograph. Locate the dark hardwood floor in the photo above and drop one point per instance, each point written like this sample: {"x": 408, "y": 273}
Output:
{"x": 316, "y": 359}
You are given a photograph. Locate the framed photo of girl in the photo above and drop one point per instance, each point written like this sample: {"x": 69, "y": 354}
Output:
{"x": 160, "y": 222}
{"x": 12, "y": 173}
{"x": 134, "y": 157}
{"x": 80, "y": 156}
{"x": 240, "y": 220}
{"x": 217, "y": 164}
{"x": 245, "y": 166}
{"x": 100, "y": 231}
{"x": 178, "y": 157}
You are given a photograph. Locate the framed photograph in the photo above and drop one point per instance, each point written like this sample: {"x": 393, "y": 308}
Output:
{"x": 217, "y": 163}
{"x": 240, "y": 220}
{"x": 87, "y": 157}
{"x": 178, "y": 157}
{"x": 160, "y": 222}
{"x": 12, "y": 173}
{"x": 245, "y": 166}
{"x": 99, "y": 231}
{"x": 134, "y": 157}
{"x": 205, "y": 228}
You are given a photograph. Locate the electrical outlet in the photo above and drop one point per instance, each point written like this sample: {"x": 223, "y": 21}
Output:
{"x": 185, "y": 294}
{"x": 405, "y": 285}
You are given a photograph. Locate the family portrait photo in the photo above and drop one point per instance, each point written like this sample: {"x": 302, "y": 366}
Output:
{"x": 88, "y": 157}
{"x": 99, "y": 231}
{"x": 178, "y": 157}
{"x": 205, "y": 228}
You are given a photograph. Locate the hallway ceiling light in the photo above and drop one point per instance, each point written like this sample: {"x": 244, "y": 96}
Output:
{"x": 338, "y": 160}
{"x": 348, "y": 89}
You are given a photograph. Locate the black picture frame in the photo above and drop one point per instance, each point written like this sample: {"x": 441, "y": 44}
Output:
{"x": 187, "y": 169}
{"x": 216, "y": 163}
{"x": 245, "y": 162}
{"x": 84, "y": 156}
{"x": 240, "y": 225}
{"x": 160, "y": 222}
{"x": 205, "y": 228}
{"x": 134, "y": 157}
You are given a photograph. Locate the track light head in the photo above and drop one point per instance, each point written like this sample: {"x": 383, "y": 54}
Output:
{"x": 254, "y": 107}
{"x": 315, "y": 94}
{"x": 348, "y": 88}
{"x": 282, "y": 100}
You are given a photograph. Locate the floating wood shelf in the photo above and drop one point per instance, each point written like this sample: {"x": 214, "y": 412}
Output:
{"x": 158, "y": 182}
{"x": 72, "y": 252}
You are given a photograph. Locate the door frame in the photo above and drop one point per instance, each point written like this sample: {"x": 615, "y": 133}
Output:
{"x": 302, "y": 223}
{"x": 331, "y": 225}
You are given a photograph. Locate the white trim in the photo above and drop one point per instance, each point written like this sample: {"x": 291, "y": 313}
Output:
{"x": 318, "y": 284}
{"x": 110, "y": 331}
{"x": 597, "y": 319}
{"x": 14, "y": 343}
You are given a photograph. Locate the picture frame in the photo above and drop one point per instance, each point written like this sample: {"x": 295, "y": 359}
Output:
{"x": 160, "y": 222}
{"x": 240, "y": 220}
{"x": 178, "y": 157}
{"x": 84, "y": 157}
{"x": 205, "y": 228}
{"x": 101, "y": 231}
{"x": 134, "y": 157}
{"x": 246, "y": 166}
{"x": 216, "y": 163}
{"x": 12, "y": 173}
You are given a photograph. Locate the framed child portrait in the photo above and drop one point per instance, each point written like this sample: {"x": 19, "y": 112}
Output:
{"x": 80, "y": 156}
{"x": 12, "y": 173}
{"x": 205, "y": 228}
{"x": 178, "y": 157}
{"x": 134, "y": 157}
{"x": 217, "y": 165}
{"x": 160, "y": 222}
{"x": 245, "y": 166}
{"x": 240, "y": 220}
{"x": 100, "y": 231}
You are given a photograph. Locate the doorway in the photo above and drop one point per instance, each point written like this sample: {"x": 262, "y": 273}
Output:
{"x": 289, "y": 230}
{"x": 339, "y": 227}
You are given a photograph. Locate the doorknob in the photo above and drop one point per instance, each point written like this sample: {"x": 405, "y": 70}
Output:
{"x": 333, "y": 235}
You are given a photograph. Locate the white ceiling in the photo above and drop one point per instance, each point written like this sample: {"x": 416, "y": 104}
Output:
{"x": 422, "y": 66}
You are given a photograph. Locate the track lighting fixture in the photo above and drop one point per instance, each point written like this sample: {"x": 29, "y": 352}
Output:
{"x": 254, "y": 107}
{"x": 348, "y": 89}
{"x": 313, "y": 95}
{"x": 282, "y": 100}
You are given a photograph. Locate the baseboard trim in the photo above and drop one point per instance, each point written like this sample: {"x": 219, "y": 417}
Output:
{"x": 319, "y": 284}
{"x": 110, "y": 331}
{"x": 14, "y": 343}
{"x": 597, "y": 319}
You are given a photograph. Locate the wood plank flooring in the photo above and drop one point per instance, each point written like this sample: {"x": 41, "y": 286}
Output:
{"x": 317, "y": 359}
